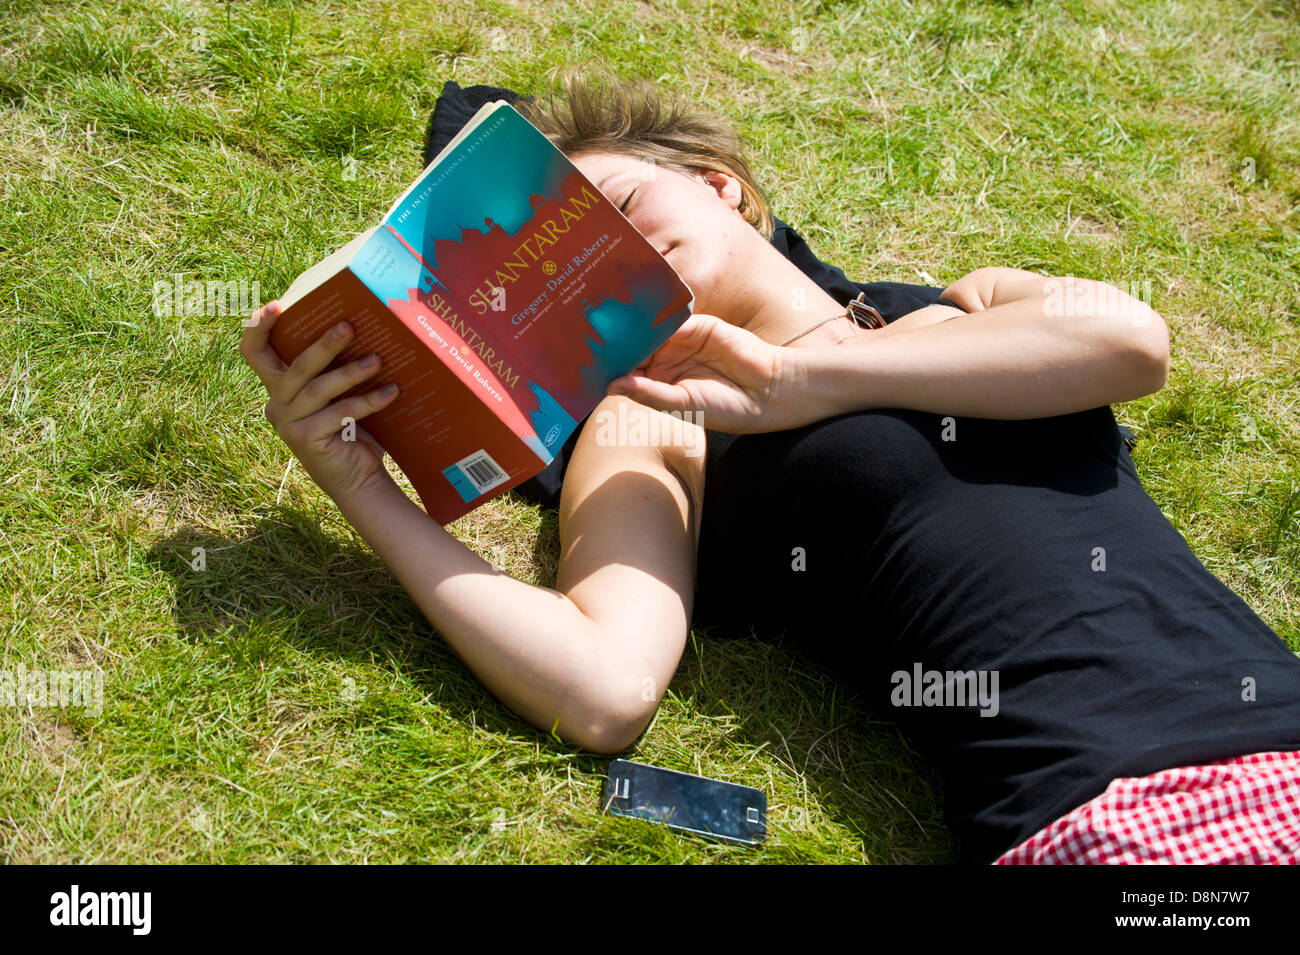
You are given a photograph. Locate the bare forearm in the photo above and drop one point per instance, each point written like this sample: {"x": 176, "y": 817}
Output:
{"x": 1011, "y": 361}
{"x": 530, "y": 646}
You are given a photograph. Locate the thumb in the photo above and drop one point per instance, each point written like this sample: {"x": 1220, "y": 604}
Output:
{"x": 368, "y": 439}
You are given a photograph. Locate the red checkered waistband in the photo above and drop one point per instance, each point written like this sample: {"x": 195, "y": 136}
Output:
{"x": 1242, "y": 810}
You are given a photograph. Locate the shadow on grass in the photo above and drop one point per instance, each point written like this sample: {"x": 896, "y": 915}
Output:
{"x": 858, "y": 768}
{"x": 290, "y": 584}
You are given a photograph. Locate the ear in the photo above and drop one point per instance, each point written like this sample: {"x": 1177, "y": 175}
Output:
{"x": 724, "y": 185}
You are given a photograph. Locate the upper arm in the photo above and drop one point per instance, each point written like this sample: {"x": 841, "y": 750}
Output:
{"x": 628, "y": 530}
{"x": 993, "y": 286}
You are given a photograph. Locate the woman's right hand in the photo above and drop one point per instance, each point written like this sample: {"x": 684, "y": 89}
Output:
{"x": 303, "y": 410}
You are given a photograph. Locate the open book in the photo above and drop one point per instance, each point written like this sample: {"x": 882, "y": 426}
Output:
{"x": 503, "y": 293}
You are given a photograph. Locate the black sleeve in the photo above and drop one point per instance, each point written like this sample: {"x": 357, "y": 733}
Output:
{"x": 455, "y": 108}
{"x": 544, "y": 488}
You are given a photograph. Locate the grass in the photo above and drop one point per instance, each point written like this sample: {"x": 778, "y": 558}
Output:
{"x": 289, "y": 702}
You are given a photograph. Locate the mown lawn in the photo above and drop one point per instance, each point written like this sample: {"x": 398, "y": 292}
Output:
{"x": 288, "y": 702}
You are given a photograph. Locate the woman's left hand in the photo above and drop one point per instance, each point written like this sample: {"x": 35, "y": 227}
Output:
{"x": 732, "y": 379}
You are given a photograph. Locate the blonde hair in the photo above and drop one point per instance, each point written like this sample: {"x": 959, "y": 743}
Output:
{"x": 586, "y": 109}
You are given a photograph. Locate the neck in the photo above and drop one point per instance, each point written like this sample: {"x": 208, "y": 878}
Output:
{"x": 765, "y": 296}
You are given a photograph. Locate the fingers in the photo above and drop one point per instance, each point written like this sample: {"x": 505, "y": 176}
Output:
{"x": 255, "y": 344}
{"x": 651, "y": 393}
{"x": 323, "y": 389}
{"x": 327, "y": 422}
{"x": 314, "y": 359}
{"x": 689, "y": 335}
{"x": 699, "y": 338}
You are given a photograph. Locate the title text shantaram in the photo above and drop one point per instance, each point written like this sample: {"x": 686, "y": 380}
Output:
{"x": 532, "y": 248}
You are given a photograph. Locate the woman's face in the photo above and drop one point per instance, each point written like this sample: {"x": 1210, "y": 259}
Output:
{"x": 692, "y": 220}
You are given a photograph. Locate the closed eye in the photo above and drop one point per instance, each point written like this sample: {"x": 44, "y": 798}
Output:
{"x": 623, "y": 207}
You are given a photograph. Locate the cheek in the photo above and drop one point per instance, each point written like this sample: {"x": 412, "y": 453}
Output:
{"x": 706, "y": 256}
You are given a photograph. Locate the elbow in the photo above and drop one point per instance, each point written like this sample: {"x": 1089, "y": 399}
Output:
{"x": 614, "y": 725}
{"x": 605, "y": 743}
{"x": 1152, "y": 347}
{"x": 611, "y": 736}
{"x": 622, "y": 701}
{"x": 1139, "y": 349}
{"x": 1159, "y": 373}
{"x": 597, "y": 735}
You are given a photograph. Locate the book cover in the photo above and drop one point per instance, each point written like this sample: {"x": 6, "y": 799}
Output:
{"x": 503, "y": 292}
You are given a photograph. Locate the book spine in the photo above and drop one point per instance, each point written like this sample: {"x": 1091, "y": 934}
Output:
{"x": 433, "y": 312}
{"x": 400, "y": 276}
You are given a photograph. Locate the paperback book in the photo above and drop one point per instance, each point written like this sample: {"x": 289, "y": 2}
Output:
{"x": 503, "y": 292}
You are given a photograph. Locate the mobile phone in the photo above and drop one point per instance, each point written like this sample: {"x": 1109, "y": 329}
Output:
{"x": 687, "y": 802}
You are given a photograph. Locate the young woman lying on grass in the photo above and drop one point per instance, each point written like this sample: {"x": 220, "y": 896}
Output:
{"x": 940, "y": 510}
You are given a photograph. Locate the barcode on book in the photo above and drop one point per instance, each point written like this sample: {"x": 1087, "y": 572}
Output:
{"x": 475, "y": 474}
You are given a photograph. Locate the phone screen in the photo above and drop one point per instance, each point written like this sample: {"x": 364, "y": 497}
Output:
{"x": 687, "y": 802}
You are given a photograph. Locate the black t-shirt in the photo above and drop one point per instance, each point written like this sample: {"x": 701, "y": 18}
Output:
{"x": 1028, "y": 549}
